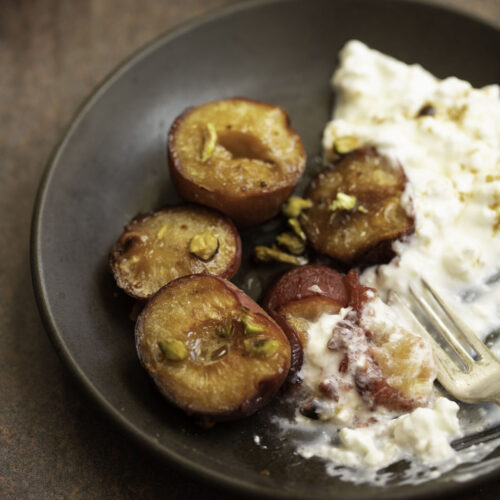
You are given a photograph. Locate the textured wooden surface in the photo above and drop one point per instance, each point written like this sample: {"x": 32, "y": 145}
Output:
{"x": 53, "y": 441}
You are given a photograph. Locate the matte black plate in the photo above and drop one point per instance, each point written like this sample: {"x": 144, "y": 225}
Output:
{"x": 111, "y": 165}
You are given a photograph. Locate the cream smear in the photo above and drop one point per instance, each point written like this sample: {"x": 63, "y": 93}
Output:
{"x": 368, "y": 437}
{"x": 446, "y": 135}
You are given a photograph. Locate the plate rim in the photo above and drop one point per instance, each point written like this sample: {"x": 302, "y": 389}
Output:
{"x": 141, "y": 438}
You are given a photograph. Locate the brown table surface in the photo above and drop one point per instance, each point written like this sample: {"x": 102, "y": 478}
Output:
{"x": 54, "y": 443}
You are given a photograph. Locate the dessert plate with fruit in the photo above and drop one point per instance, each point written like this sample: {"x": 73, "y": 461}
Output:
{"x": 212, "y": 272}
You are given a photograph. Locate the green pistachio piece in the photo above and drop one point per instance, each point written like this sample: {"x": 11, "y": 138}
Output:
{"x": 219, "y": 353}
{"x": 173, "y": 350}
{"x": 294, "y": 206}
{"x": 297, "y": 228}
{"x": 346, "y": 144}
{"x": 204, "y": 245}
{"x": 209, "y": 142}
{"x": 342, "y": 202}
{"x": 225, "y": 329}
{"x": 266, "y": 254}
{"x": 249, "y": 327}
{"x": 292, "y": 243}
{"x": 162, "y": 232}
{"x": 261, "y": 347}
{"x": 362, "y": 209}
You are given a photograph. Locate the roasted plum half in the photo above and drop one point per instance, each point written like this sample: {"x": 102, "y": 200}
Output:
{"x": 161, "y": 246}
{"x": 401, "y": 372}
{"x": 369, "y": 358}
{"x": 308, "y": 281}
{"x": 236, "y": 155}
{"x": 358, "y": 209}
{"x": 210, "y": 349}
{"x": 384, "y": 364}
{"x": 301, "y": 296}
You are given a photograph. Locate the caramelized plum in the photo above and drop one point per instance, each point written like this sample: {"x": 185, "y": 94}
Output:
{"x": 390, "y": 366}
{"x": 308, "y": 281}
{"x": 357, "y": 208}
{"x": 371, "y": 356}
{"x": 404, "y": 359}
{"x": 210, "y": 349}
{"x": 301, "y": 296}
{"x": 159, "y": 247}
{"x": 237, "y": 155}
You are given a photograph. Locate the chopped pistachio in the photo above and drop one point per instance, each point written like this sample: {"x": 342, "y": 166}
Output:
{"x": 342, "y": 202}
{"x": 209, "y": 142}
{"x": 297, "y": 228}
{"x": 219, "y": 353}
{"x": 249, "y": 327}
{"x": 204, "y": 245}
{"x": 346, "y": 144}
{"x": 162, "y": 231}
{"x": 291, "y": 242}
{"x": 225, "y": 329}
{"x": 266, "y": 254}
{"x": 362, "y": 209}
{"x": 261, "y": 347}
{"x": 173, "y": 350}
{"x": 294, "y": 206}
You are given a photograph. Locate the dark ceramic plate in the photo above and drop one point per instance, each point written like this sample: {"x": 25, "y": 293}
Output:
{"x": 111, "y": 165}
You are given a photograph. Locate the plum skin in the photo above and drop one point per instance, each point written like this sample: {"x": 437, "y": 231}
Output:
{"x": 266, "y": 388}
{"x": 293, "y": 289}
{"x": 331, "y": 232}
{"x": 245, "y": 208}
{"x": 190, "y": 213}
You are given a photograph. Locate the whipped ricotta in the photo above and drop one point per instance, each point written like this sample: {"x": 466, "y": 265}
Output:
{"x": 368, "y": 437}
{"x": 424, "y": 433}
{"x": 446, "y": 135}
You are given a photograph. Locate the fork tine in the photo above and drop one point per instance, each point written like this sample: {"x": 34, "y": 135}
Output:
{"x": 462, "y": 327}
{"x": 463, "y": 355}
{"x": 447, "y": 368}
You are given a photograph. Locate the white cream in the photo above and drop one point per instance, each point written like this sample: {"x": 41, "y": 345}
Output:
{"x": 452, "y": 161}
{"x": 321, "y": 363}
{"x": 424, "y": 433}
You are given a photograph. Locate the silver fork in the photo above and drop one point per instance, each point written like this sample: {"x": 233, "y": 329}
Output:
{"x": 477, "y": 380}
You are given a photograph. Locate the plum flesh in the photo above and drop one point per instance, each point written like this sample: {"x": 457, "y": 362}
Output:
{"x": 236, "y": 357}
